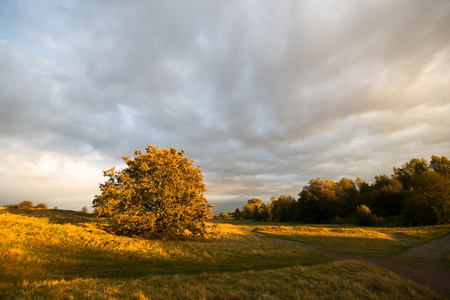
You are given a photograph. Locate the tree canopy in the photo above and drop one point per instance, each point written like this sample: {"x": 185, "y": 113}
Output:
{"x": 158, "y": 195}
{"x": 252, "y": 208}
{"x": 418, "y": 193}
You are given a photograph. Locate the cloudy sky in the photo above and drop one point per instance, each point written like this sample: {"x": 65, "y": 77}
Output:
{"x": 265, "y": 95}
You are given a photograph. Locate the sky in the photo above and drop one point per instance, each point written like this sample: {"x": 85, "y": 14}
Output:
{"x": 264, "y": 95}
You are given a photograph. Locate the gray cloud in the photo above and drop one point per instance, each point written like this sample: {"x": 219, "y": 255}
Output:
{"x": 264, "y": 95}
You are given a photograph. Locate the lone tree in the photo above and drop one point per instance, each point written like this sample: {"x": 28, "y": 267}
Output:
{"x": 159, "y": 195}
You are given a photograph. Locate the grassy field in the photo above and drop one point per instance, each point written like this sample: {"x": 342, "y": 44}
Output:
{"x": 369, "y": 241}
{"x": 446, "y": 260}
{"x": 55, "y": 254}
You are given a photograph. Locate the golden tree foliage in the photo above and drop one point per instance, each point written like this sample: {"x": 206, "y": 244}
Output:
{"x": 253, "y": 205}
{"x": 158, "y": 195}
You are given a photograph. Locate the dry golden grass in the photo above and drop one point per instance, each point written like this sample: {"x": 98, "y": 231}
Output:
{"x": 67, "y": 255}
{"x": 66, "y": 246}
{"x": 357, "y": 241}
{"x": 336, "y": 280}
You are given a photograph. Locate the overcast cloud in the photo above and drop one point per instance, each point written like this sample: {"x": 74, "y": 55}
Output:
{"x": 265, "y": 95}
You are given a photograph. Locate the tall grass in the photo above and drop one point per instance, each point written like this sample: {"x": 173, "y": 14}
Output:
{"x": 67, "y": 255}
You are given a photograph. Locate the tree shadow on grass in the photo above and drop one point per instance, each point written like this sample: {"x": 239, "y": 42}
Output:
{"x": 71, "y": 261}
{"x": 343, "y": 246}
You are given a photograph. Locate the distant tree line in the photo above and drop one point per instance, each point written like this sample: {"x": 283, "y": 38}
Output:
{"x": 27, "y": 204}
{"x": 418, "y": 193}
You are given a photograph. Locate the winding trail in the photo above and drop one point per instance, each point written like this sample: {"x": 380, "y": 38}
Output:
{"x": 422, "y": 264}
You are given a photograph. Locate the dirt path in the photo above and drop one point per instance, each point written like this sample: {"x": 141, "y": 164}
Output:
{"x": 422, "y": 263}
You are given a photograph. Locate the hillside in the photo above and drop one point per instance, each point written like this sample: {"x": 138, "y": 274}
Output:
{"x": 54, "y": 254}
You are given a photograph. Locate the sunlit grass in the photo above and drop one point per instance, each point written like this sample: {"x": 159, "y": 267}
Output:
{"x": 64, "y": 250}
{"x": 357, "y": 241}
{"x": 336, "y": 280}
{"x": 67, "y": 255}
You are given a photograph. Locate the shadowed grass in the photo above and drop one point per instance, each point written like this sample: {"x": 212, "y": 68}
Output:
{"x": 66, "y": 255}
{"x": 446, "y": 260}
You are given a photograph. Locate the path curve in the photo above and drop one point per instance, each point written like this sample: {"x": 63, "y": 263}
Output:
{"x": 427, "y": 270}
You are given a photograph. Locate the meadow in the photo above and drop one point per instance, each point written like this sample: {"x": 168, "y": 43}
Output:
{"x": 357, "y": 241}
{"x": 56, "y": 254}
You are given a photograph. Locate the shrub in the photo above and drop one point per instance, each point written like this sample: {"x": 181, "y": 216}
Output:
{"x": 337, "y": 220}
{"x": 237, "y": 214}
{"x": 41, "y": 206}
{"x": 26, "y": 204}
{"x": 158, "y": 195}
{"x": 224, "y": 216}
{"x": 12, "y": 206}
{"x": 84, "y": 210}
{"x": 363, "y": 216}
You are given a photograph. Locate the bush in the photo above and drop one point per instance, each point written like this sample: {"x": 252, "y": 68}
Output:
{"x": 41, "y": 206}
{"x": 12, "y": 206}
{"x": 158, "y": 195}
{"x": 84, "y": 210}
{"x": 378, "y": 221}
{"x": 26, "y": 204}
{"x": 237, "y": 214}
{"x": 337, "y": 220}
{"x": 224, "y": 216}
{"x": 363, "y": 216}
